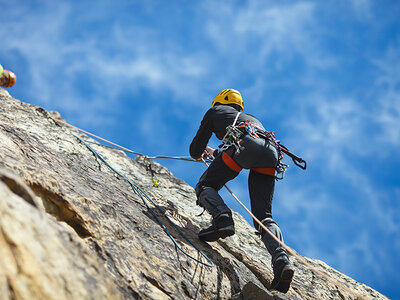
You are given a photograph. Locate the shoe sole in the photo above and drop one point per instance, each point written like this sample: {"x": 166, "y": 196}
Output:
{"x": 285, "y": 280}
{"x": 214, "y": 235}
{"x": 227, "y": 231}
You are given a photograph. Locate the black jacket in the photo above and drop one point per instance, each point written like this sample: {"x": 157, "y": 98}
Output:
{"x": 215, "y": 121}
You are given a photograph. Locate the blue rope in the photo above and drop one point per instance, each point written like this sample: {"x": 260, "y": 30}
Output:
{"x": 143, "y": 195}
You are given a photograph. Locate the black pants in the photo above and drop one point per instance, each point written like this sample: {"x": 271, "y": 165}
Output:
{"x": 261, "y": 190}
{"x": 254, "y": 153}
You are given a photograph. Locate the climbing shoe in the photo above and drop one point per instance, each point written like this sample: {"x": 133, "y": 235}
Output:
{"x": 222, "y": 227}
{"x": 283, "y": 275}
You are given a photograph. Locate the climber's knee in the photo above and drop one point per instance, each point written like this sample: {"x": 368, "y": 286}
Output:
{"x": 208, "y": 198}
{"x": 198, "y": 189}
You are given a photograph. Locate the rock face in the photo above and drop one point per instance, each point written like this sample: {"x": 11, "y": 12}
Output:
{"x": 71, "y": 228}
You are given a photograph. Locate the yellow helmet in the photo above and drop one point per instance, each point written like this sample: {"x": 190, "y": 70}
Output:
{"x": 228, "y": 96}
{"x": 10, "y": 78}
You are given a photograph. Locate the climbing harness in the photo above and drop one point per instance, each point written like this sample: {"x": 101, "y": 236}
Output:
{"x": 233, "y": 138}
{"x": 145, "y": 197}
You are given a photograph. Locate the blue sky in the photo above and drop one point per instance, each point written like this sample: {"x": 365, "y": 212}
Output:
{"x": 324, "y": 75}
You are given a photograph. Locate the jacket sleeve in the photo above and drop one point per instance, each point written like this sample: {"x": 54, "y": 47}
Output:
{"x": 202, "y": 137}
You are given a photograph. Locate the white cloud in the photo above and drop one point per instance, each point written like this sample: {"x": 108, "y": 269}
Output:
{"x": 129, "y": 59}
{"x": 328, "y": 127}
{"x": 388, "y": 95}
{"x": 260, "y": 29}
{"x": 37, "y": 39}
{"x": 362, "y": 9}
{"x": 357, "y": 254}
{"x": 153, "y": 64}
{"x": 332, "y": 132}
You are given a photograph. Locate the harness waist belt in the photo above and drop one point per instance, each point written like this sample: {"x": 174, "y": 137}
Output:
{"x": 230, "y": 162}
{"x": 266, "y": 171}
{"x": 235, "y": 167}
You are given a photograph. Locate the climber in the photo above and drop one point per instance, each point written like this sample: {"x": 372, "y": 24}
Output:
{"x": 246, "y": 145}
{"x": 7, "y": 78}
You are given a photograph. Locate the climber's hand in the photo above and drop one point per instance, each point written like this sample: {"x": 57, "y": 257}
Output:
{"x": 207, "y": 155}
{"x": 209, "y": 150}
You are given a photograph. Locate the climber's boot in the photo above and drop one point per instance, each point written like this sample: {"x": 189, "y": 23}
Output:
{"x": 283, "y": 275}
{"x": 222, "y": 227}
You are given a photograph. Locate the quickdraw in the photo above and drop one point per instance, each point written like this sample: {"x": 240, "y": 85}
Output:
{"x": 251, "y": 128}
{"x": 154, "y": 178}
{"x": 232, "y": 136}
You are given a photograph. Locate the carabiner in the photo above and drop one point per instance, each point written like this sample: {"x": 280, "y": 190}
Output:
{"x": 301, "y": 163}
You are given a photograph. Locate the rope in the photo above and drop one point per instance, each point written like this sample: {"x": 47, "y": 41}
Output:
{"x": 116, "y": 146}
{"x": 186, "y": 158}
{"x": 143, "y": 195}
{"x": 292, "y": 251}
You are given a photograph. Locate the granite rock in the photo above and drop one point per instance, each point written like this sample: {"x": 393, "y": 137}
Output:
{"x": 71, "y": 228}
